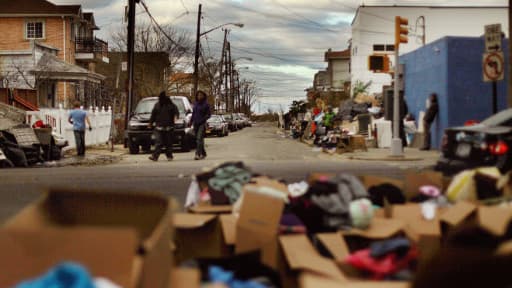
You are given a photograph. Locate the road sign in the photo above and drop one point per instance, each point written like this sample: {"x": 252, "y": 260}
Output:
{"x": 493, "y": 66}
{"x": 493, "y": 37}
{"x": 124, "y": 66}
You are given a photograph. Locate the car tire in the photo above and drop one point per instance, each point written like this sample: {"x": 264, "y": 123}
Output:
{"x": 133, "y": 147}
{"x": 185, "y": 144}
{"x": 504, "y": 163}
{"x": 6, "y": 163}
{"x": 146, "y": 148}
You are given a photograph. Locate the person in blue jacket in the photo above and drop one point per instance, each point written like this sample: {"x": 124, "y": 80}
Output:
{"x": 200, "y": 115}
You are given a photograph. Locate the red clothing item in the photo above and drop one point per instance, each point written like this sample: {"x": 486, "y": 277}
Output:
{"x": 381, "y": 267}
{"x": 316, "y": 111}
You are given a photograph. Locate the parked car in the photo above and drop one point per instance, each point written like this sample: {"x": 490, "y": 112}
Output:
{"x": 247, "y": 121}
{"x": 139, "y": 135}
{"x": 231, "y": 122}
{"x": 240, "y": 123}
{"x": 216, "y": 125}
{"x": 488, "y": 143}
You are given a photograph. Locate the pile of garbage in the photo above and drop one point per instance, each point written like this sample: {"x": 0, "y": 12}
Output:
{"x": 242, "y": 229}
{"x": 22, "y": 145}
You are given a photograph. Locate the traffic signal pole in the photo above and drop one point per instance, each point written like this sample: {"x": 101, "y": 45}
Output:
{"x": 400, "y": 37}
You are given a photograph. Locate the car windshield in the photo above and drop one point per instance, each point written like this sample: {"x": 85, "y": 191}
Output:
{"x": 504, "y": 118}
{"x": 146, "y": 106}
{"x": 215, "y": 119}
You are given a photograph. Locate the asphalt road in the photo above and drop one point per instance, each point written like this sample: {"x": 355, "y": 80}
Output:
{"x": 261, "y": 147}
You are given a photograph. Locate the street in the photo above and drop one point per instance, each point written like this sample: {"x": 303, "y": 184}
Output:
{"x": 262, "y": 148}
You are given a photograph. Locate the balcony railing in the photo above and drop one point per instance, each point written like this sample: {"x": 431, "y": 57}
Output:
{"x": 91, "y": 45}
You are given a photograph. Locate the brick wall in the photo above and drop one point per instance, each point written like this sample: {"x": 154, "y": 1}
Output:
{"x": 13, "y": 35}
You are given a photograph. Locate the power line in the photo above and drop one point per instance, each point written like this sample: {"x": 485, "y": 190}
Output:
{"x": 159, "y": 27}
{"x": 303, "y": 17}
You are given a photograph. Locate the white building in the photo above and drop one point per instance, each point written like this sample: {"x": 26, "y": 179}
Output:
{"x": 373, "y": 30}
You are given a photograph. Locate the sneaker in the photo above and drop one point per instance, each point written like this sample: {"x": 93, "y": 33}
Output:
{"x": 170, "y": 158}
{"x": 197, "y": 157}
{"x": 424, "y": 148}
{"x": 153, "y": 158}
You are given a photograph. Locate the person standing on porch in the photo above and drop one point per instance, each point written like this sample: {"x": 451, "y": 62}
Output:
{"x": 78, "y": 118}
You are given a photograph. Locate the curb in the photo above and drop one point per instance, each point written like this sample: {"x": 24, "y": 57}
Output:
{"x": 387, "y": 158}
{"x": 96, "y": 160}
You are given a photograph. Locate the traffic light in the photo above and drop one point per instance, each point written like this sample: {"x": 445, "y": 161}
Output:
{"x": 378, "y": 63}
{"x": 401, "y": 30}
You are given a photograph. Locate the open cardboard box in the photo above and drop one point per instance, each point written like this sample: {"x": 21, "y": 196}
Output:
{"x": 197, "y": 236}
{"x": 310, "y": 280}
{"x": 122, "y": 236}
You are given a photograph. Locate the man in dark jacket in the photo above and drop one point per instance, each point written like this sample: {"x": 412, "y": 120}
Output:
{"x": 163, "y": 116}
{"x": 199, "y": 117}
{"x": 430, "y": 116}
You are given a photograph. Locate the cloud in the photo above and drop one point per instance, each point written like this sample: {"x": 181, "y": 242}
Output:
{"x": 286, "y": 39}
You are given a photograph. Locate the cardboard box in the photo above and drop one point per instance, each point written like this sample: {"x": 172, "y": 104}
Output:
{"x": 414, "y": 180}
{"x": 302, "y": 256}
{"x": 456, "y": 215}
{"x": 211, "y": 209}
{"x": 197, "y": 236}
{"x": 185, "y": 278}
{"x": 98, "y": 229}
{"x": 257, "y": 226}
{"x": 310, "y": 280}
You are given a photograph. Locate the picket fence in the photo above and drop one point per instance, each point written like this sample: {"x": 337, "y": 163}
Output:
{"x": 101, "y": 121}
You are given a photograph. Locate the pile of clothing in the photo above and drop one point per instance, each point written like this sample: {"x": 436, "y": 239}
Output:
{"x": 392, "y": 259}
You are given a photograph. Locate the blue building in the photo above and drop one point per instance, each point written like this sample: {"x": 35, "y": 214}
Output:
{"x": 452, "y": 68}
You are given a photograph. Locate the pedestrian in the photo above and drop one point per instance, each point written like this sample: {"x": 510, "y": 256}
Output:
{"x": 199, "y": 117}
{"x": 163, "y": 115}
{"x": 78, "y": 117}
{"x": 430, "y": 116}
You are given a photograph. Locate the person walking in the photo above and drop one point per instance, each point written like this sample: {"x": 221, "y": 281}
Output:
{"x": 78, "y": 118}
{"x": 200, "y": 115}
{"x": 163, "y": 116}
{"x": 430, "y": 116}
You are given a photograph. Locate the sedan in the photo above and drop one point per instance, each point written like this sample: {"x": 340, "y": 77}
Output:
{"x": 216, "y": 125}
{"x": 488, "y": 143}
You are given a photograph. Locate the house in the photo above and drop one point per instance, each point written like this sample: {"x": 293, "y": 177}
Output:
{"x": 48, "y": 53}
{"x": 321, "y": 81}
{"x": 451, "y": 67}
{"x": 373, "y": 32}
{"x": 338, "y": 68}
{"x": 150, "y": 74}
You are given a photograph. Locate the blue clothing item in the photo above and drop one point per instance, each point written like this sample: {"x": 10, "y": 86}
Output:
{"x": 219, "y": 275}
{"x": 65, "y": 275}
{"x": 78, "y": 118}
{"x": 201, "y": 113}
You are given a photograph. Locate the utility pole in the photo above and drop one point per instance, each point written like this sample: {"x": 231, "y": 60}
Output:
{"x": 230, "y": 66}
{"x": 221, "y": 75}
{"x": 226, "y": 74}
{"x": 400, "y": 37}
{"x": 196, "y": 56}
{"x": 238, "y": 92}
{"x": 131, "y": 45}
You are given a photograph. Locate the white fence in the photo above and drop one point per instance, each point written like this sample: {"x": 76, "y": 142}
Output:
{"x": 101, "y": 121}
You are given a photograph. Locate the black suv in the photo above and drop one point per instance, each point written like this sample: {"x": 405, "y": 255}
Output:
{"x": 139, "y": 135}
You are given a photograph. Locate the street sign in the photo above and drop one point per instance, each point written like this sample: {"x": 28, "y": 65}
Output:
{"x": 493, "y": 66}
{"x": 493, "y": 37}
{"x": 124, "y": 66}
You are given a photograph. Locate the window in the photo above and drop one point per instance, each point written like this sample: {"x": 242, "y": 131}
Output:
{"x": 34, "y": 30}
{"x": 379, "y": 47}
{"x": 382, "y": 47}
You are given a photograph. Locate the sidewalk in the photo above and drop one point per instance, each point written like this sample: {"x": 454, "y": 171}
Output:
{"x": 96, "y": 155}
{"x": 383, "y": 154}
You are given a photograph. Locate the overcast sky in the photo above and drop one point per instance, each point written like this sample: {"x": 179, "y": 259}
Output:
{"x": 285, "y": 38}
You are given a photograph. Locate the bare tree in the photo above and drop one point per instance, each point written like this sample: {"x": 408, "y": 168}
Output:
{"x": 149, "y": 38}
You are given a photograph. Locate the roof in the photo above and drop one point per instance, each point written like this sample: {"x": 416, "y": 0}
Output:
{"x": 57, "y": 69}
{"x": 41, "y": 7}
{"x": 181, "y": 77}
{"x": 345, "y": 54}
{"x": 89, "y": 17}
{"x": 424, "y": 6}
